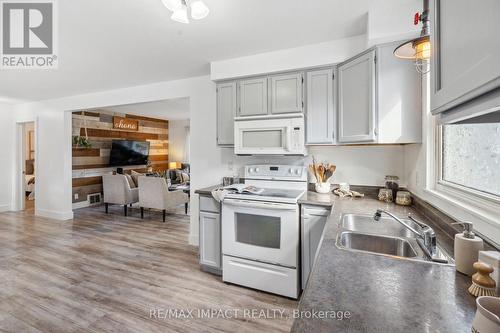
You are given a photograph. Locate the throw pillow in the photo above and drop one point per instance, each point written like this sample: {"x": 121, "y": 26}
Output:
{"x": 130, "y": 180}
{"x": 185, "y": 177}
{"x": 135, "y": 177}
{"x": 178, "y": 176}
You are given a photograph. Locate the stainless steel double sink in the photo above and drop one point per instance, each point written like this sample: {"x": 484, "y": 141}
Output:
{"x": 387, "y": 237}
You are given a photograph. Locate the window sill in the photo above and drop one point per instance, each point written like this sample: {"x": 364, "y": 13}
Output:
{"x": 463, "y": 206}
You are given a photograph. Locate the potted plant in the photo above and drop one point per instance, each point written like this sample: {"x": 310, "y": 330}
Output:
{"x": 82, "y": 141}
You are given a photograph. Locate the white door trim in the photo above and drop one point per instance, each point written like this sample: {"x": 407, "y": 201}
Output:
{"x": 20, "y": 157}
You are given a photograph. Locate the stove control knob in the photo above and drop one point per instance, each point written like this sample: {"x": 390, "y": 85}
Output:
{"x": 297, "y": 171}
{"x": 290, "y": 170}
{"x": 250, "y": 170}
{"x": 257, "y": 169}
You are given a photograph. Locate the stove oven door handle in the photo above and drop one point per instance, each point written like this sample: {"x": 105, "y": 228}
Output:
{"x": 263, "y": 205}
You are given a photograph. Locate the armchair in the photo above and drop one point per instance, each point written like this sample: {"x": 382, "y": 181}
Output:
{"x": 154, "y": 193}
{"x": 117, "y": 190}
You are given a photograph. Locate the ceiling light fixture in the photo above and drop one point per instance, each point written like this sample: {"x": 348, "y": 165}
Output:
{"x": 180, "y": 15}
{"x": 180, "y": 9}
{"x": 418, "y": 49}
{"x": 199, "y": 10}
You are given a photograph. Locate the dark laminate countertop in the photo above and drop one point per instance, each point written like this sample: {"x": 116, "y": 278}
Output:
{"x": 206, "y": 190}
{"x": 382, "y": 294}
{"x": 317, "y": 199}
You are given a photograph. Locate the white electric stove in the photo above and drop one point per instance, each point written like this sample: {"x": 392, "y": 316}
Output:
{"x": 260, "y": 232}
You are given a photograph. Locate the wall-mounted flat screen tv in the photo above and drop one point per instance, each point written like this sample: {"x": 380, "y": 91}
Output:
{"x": 127, "y": 152}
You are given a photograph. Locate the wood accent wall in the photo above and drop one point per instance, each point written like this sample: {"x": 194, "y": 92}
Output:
{"x": 89, "y": 164}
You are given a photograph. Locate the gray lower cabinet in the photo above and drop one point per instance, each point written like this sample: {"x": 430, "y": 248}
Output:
{"x": 320, "y": 107}
{"x": 357, "y": 99}
{"x": 465, "y": 58}
{"x": 287, "y": 94}
{"x": 313, "y": 221}
{"x": 226, "y": 111}
{"x": 210, "y": 235}
{"x": 253, "y": 97}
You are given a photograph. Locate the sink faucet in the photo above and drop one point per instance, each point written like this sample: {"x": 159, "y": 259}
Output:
{"x": 427, "y": 235}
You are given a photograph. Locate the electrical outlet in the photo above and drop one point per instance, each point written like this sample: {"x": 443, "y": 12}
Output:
{"x": 230, "y": 165}
{"x": 76, "y": 196}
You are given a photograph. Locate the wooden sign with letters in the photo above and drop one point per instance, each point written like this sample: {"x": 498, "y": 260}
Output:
{"x": 125, "y": 124}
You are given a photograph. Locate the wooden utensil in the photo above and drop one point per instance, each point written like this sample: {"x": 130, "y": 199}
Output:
{"x": 322, "y": 172}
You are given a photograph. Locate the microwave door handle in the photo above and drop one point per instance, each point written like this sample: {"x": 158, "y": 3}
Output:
{"x": 263, "y": 205}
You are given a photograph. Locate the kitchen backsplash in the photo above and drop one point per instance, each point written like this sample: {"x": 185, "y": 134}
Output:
{"x": 359, "y": 165}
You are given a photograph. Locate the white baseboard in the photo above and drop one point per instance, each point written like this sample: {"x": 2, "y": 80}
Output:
{"x": 57, "y": 215}
{"x": 81, "y": 204}
{"x": 5, "y": 207}
{"x": 193, "y": 240}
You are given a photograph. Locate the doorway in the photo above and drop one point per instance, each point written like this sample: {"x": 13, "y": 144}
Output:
{"x": 26, "y": 166}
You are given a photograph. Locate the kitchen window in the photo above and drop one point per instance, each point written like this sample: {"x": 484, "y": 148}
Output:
{"x": 470, "y": 158}
{"x": 463, "y": 165}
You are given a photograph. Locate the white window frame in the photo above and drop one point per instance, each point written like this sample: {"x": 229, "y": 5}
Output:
{"x": 455, "y": 189}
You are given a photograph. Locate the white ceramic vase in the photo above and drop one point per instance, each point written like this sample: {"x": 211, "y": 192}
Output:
{"x": 487, "y": 319}
{"x": 322, "y": 187}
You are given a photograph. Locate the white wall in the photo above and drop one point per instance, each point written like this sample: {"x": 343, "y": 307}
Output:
{"x": 357, "y": 165}
{"x": 177, "y": 140}
{"x": 314, "y": 55}
{"x": 6, "y": 156}
{"x": 385, "y": 22}
{"x": 389, "y": 21}
{"x": 363, "y": 165}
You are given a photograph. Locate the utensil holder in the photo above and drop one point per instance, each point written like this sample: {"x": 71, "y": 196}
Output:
{"x": 322, "y": 187}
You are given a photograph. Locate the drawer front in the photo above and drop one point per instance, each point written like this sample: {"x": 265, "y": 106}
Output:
{"x": 315, "y": 210}
{"x": 274, "y": 279}
{"x": 208, "y": 204}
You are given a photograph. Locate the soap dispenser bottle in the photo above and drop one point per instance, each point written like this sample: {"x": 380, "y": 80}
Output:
{"x": 467, "y": 247}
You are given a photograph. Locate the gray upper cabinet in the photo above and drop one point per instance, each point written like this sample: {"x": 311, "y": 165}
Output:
{"x": 286, "y": 93}
{"x": 253, "y": 97}
{"x": 320, "y": 107}
{"x": 399, "y": 98}
{"x": 465, "y": 51}
{"x": 226, "y": 111}
{"x": 357, "y": 100}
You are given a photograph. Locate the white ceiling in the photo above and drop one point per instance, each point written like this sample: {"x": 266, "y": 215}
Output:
{"x": 107, "y": 44}
{"x": 171, "y": 109}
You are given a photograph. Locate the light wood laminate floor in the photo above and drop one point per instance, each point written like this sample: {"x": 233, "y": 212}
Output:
{"x": 105, "y": 273}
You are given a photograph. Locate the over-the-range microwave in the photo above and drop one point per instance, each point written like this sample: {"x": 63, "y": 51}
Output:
{"x": 270, "y": 135}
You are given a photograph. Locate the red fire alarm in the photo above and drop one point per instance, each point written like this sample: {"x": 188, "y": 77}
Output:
{"x": 416, "y": 18}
